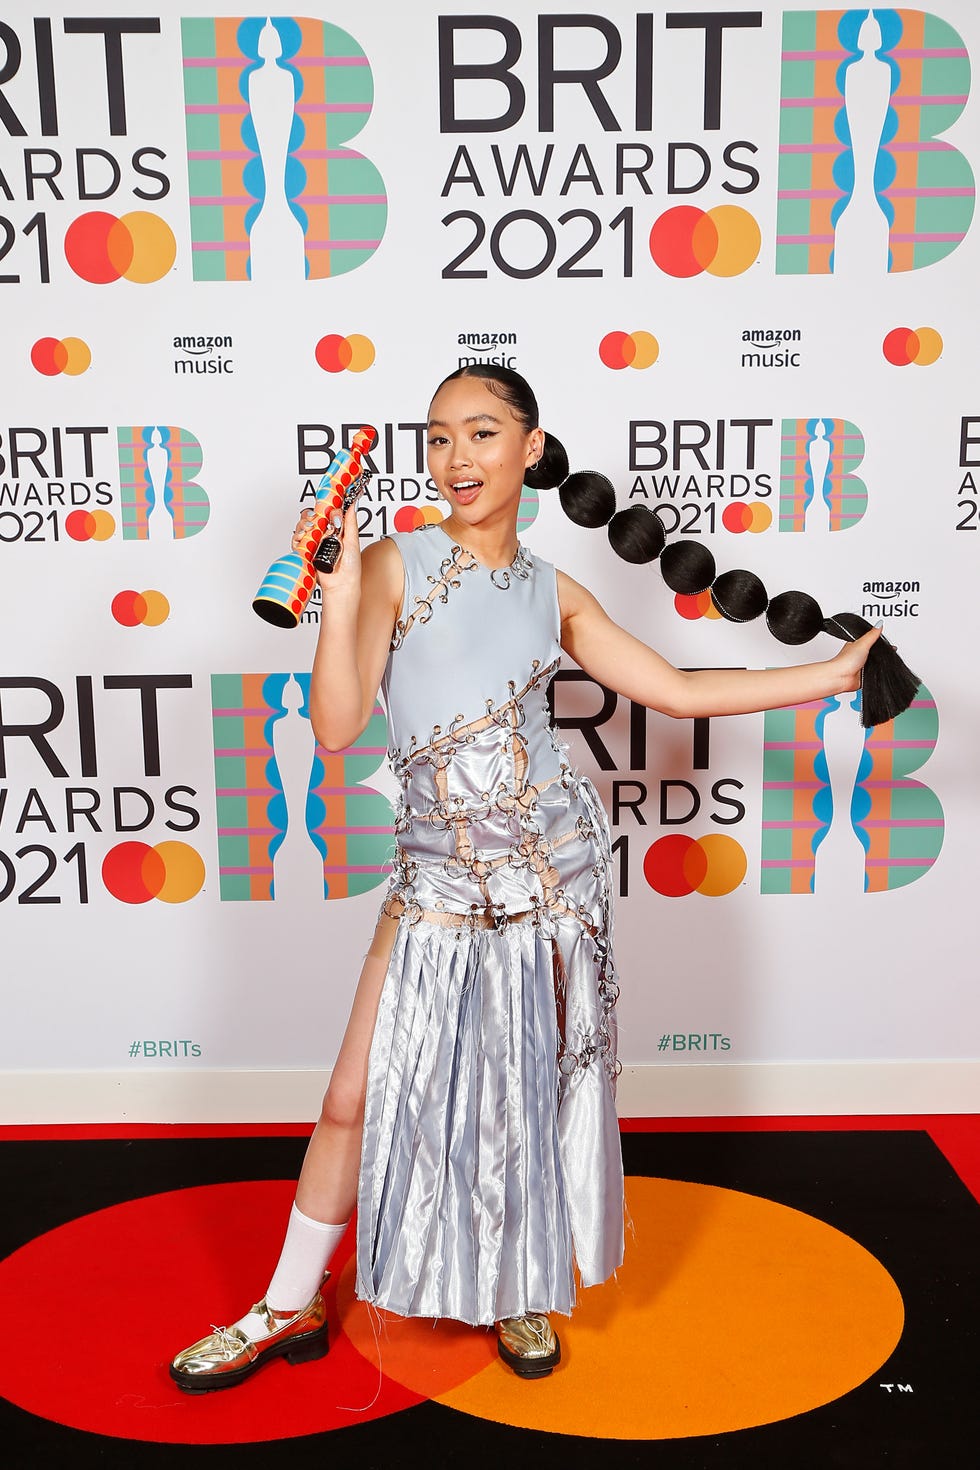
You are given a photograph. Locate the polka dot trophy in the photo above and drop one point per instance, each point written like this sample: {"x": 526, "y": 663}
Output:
{"x": 288, "y": 583}
{"x": 637, "y": 535}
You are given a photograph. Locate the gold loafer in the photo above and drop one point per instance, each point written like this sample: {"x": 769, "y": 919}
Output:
{"x": 226, "y": 1356}
{"x": 529, "y": 1345}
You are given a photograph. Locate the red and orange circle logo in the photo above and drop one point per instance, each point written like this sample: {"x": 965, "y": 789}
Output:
{"x": 148, "y": 608}
{"x": 134, "y": 872}
{"x": 411, "y": 517}
{"x": 90, "y": 525}
{"x": 723, "y": 241}
{"x": 696, "y": 605}
{"x": 345, "y": 354}
{"x": 138, "y": 247}
{"x": 70, "y": 355}
{"x": 629, "y": 349}
{"x": 903, "y": 346}
{"x": 743, "y": 515}
{"x": 678, "y": 865}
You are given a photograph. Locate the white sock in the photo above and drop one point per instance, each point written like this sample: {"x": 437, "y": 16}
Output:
{"x": 306, "y": 1252}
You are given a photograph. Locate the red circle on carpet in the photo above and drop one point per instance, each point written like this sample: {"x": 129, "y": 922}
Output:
{"x": 97, "y": 1308}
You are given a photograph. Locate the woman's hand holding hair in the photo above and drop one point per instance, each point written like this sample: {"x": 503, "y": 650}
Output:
{"x": 852, "y": 658}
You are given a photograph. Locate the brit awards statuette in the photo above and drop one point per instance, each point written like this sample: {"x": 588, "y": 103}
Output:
{"x": 290, "y": 580}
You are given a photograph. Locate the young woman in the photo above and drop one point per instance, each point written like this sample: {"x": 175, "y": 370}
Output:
{"x": 471, "y": 1110}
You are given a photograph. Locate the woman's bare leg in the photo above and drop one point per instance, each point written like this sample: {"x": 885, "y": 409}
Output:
{"x": 327, "y": 1187}
{"x": 326, "y": 1193}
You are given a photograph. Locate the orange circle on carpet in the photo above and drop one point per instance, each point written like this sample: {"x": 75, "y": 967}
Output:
{"x": 730, "y": 1311}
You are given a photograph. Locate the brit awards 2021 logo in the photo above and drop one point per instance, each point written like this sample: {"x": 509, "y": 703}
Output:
{"x": 700, "y": 476}
{"x": 275, "y": 193}
{"x": 865, "y": 183}
{"x": 56, "y": 483}
{"x": 293, "y": 819}
{"x": 270, "y": 107}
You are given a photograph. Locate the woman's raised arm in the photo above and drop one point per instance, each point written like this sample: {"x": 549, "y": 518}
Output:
{"x": 360, "y": 602}
{"x": 615, "y": 658}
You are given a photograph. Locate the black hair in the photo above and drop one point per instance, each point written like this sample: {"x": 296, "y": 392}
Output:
{"x": 552, "y": 468}
{"x": 688, "y": 567}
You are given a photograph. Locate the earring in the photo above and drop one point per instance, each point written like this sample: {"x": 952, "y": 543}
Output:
{"x": 534, "y": 465}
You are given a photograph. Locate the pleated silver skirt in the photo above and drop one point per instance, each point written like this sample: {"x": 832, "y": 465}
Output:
{"x": 490, "y": 1169}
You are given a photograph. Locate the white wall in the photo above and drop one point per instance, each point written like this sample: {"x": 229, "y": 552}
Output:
{"x": 199, "y": 1004}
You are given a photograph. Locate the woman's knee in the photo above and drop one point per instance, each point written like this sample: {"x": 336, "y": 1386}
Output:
{"x": 343, "y": 1105}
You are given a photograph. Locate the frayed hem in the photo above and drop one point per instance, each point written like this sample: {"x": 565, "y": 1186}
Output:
{"x": 374, "y": 1304}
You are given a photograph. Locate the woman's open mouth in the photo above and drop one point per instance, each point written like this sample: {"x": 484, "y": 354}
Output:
{"x": 466, "y": 491}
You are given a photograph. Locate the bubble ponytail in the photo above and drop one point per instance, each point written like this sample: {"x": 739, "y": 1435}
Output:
{"x": 637, "y": 535}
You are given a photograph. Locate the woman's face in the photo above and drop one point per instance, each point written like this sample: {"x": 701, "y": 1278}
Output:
{"x": 478, "y": 451}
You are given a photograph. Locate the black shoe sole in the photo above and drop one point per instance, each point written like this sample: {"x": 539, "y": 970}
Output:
{"x": 304, "y": 1349}
{"x": 530, "y": 1367}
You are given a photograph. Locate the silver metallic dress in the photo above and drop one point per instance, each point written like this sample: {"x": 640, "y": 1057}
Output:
{"x": 490, "y": 1165}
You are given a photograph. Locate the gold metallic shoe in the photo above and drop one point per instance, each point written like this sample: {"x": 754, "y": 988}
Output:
{"x": 529, "y": 1345}
{"x": 226, "y": 1356}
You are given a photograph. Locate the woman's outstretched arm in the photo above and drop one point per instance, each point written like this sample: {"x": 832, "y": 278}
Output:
{"x": 360, "y": 602}
{"x": 615, "y": 658}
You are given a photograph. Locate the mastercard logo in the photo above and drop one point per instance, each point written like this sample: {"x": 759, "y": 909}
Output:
{"x": 678, "y": 865}
{"x": 411, "y": 517}
{"x": 148, "y": 608}
{"x": 700, "y": 605}
{"x": 723, "y": 241}
{"x": 741, "y": 516}
{"x": 902, "y": 346}
{"x": 629, "y": 349}
{"x": 133, "y": 872}
{"x": 137, "y": 247}
{"x": 345, "y": 354}
{"x": 69, "y": 355}
{"x": 90, "y": 525}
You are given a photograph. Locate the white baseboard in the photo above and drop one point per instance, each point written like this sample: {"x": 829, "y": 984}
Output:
{"x": 739, "y": 1089}
{"x": 799, "y": 1089}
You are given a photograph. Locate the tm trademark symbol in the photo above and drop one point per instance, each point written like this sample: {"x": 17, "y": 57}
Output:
{"x": 900, "y": 1387}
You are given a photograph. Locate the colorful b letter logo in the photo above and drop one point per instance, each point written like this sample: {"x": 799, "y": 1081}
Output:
{"x": 865, "y": 185}
{"x": 270, "y": 105}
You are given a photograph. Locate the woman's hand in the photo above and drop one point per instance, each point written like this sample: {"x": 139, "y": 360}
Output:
{"x": 345, "y": 579}
{"x": 850, "y": 662}
{"x": 361, "y": 600}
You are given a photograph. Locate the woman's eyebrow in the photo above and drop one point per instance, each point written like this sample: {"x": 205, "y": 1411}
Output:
{"x": 473, "y": 418}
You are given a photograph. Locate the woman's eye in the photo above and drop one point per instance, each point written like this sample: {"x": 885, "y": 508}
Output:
{"x": 484, "y": 434}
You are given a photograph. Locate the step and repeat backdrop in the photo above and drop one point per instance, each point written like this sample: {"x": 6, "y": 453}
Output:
{"x": 733, "y": 249}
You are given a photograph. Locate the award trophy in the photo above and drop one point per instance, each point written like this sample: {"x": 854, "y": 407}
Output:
{"x": 290, "y": 580}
